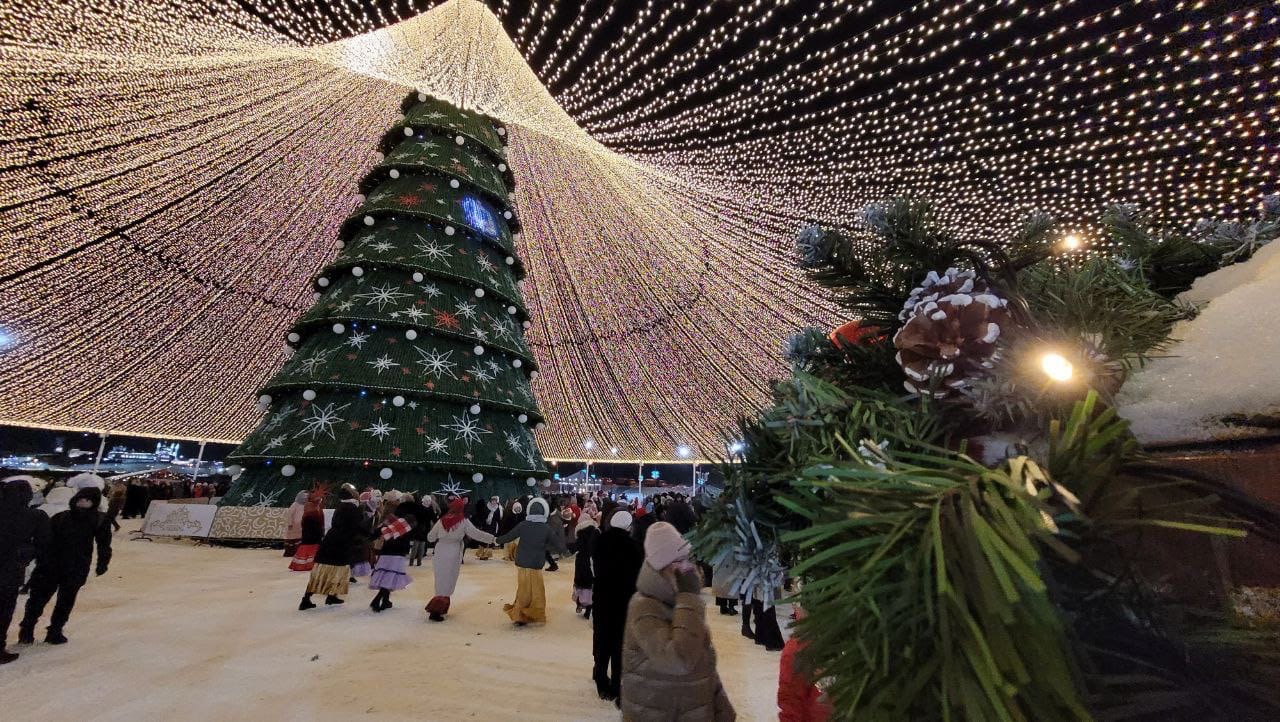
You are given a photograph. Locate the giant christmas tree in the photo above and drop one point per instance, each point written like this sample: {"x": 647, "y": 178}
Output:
{"x": 410, "y": 371}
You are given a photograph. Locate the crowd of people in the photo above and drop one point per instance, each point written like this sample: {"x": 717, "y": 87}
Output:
{"x": 634, "y": 578}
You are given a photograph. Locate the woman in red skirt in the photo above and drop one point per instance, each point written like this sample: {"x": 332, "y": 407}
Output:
{"x": 312, "y": 532}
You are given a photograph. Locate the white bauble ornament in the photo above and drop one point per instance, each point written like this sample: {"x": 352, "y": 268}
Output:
{"x": 477, "y": 477}
{"x": 294, "y": 337}
{"x": 479, "y": 293}
{"x": 533, "y": 375}
{"x": 385, "y": 473}
{"x": 322, "y": 282}
{"x": 422, "y": 97}
{"x": 523, "y": 418}
{"x": 507, "y": 215}
{"x": 397, "y": 401}
{"x": 394, "y": 173}
{"x": 449, "y": 230}
{"x": 478, "y": 350}
{"x": 417, "y": 277}
{"x": 309, "y": 395}
{"x": 368, "y": 220}
{"x": 539, "y": 426}
{"x": 517, "y": 364}
{"x": 411, "y": 334}
{"x": 287, "y": 470}
{"x": 408, "y": 131}
{"x": 531, "y": 481}
{"x": 341, "y": 243}
{"x": 459, "y": 140}
{"x": 511, "y": 310}
{"x": 526, "y": 325}
{"x": 339, "y": 328}
{"x": 546, "y": 483}
{"x": 475, "y": 408}
{"x": 357, "y": 271}
{"x": 502, "y": 131}
{"x": 502, "y": 167}
{"x": 510, "y": 260}
{"x": 453, "y": 183}
{"x": 264, "y": 399}
{"x": 315, "y": 296}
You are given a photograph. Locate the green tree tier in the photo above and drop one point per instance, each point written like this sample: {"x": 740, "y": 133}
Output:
{"x": 410, "y": 371}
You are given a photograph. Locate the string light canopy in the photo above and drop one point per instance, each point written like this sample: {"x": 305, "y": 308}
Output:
{"x": 175, "y": 173}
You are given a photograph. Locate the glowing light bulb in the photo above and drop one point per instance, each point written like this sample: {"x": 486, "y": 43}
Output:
{"x": 1072, "y": 242}
{"x": 1056, "y": 367}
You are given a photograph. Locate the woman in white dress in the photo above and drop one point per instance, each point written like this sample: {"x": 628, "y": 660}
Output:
{"x": 450, "y": 535}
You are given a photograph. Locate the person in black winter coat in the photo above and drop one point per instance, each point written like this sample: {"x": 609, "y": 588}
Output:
{"x": 342, "y": 544}
{"x": 616, "y": 562}
{"x": 426, "y": 517}
{"x": 24, "y": 534}
{"x": 64, "y": 567}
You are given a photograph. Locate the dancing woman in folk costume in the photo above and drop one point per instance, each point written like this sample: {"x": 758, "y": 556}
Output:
{"x": 390, "y": 573}
{"x": 450, "y": 535}
{"x": 533, "y": 534}
{"x": 311, "y": 532}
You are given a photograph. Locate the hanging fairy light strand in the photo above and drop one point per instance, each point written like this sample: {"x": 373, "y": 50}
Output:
{"x": 174, "y": 174}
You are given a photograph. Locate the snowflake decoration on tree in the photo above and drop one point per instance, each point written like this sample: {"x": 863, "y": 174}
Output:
{"x": 450, "y": 488}
{"x": 466, "y": 429}
{"x": 380, "y": 430}
{"x": 357, "y": 339}
{"x": 310, "y": 365}
{"x": 345, "y": 306}
{"x": 382, "y": 296}
{"x": 480, "y": 333}
{"x": 267, "y": 499}
{"x": 465, "y": 309}
{"x": 431, "y": 289}
{"x": 514, "y": 442}
{"x": 382, "y": 363}
{"x": 493, "y": 366}
{"x": 437, "y": 446}
{"x": 278, "y": 417}
{"x": 436, "y": 363}
{"x": 321, "y": 421}
{"x": 433, "y": 251}
{"x": 480, "y": 373}
{"x": 275, "y": 443}
{"x": 485, "y": 264}
{"x": 381, "y": 246}
{"x": 308, "y": 447}
{"x": 415, "y": 314}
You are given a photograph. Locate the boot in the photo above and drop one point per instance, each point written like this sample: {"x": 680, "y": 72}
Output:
{"x": 746, "y": 621}
{"x": 332, "y": 599}
{"x": 55, "y": 637}
{"x": 587, "y": 614}
{"x": 26, "y": 635}
{"x": 7, "y": 656}
{"x": 306, "y": 603}
{"x": 435, "y": 617}
{"x": 376, "y": 604}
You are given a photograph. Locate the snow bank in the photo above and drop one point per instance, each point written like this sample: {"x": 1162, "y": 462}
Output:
{"x": 1224, "y": 364}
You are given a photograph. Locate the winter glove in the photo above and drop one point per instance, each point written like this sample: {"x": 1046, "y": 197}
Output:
{"x": 100, "y": 570}
{"x": 689, "y": 582}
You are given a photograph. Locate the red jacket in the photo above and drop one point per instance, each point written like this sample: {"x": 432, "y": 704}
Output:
{"x": 798, "y": 698}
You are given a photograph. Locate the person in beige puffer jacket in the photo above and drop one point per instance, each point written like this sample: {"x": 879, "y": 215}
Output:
{"x": 668, "y": 663}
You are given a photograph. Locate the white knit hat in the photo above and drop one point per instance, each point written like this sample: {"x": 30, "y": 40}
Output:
{"x": 537, "y": 510}
{"x": 620, "y": 520}
{"x": 663, "y": 545}
{"x": 86, "y": 481}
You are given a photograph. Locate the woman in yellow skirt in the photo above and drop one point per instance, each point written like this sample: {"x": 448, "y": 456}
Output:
{"x": 533, "y": 534}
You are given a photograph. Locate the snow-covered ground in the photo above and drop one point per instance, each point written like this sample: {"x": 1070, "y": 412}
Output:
{"x": 179, "y": 632}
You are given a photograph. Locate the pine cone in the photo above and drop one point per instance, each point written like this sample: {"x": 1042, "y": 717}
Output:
{"x": 950, "y": 337}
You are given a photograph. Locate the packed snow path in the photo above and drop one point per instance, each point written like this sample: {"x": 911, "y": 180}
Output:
{"x": 180, "y": 632}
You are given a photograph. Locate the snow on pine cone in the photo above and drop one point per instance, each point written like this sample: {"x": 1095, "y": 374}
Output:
{"x": 953, "y": 323}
